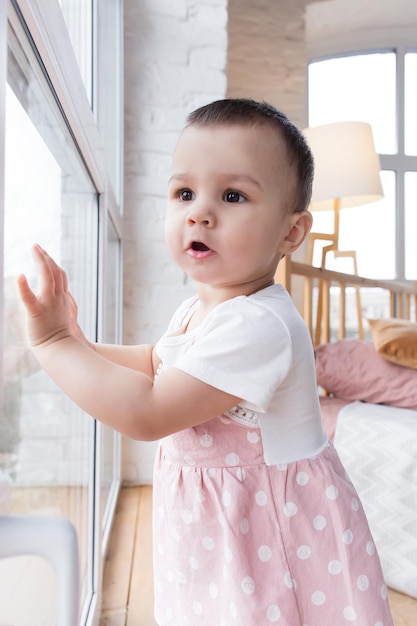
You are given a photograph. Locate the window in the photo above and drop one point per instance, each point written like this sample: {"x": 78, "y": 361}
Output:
{"x": 54, "y": 459}
{"x": 379, "y": 88}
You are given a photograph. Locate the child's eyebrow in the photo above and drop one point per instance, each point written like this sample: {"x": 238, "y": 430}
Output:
{"x": 228, "y": 178}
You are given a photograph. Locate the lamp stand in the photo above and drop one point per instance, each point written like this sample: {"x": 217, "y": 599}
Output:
{"x": 322, "y": 329}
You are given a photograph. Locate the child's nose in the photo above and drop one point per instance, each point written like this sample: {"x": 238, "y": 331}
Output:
{"x": 200, "y": 213}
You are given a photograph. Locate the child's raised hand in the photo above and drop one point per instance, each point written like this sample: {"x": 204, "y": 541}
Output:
{"x": 49, "y": 310}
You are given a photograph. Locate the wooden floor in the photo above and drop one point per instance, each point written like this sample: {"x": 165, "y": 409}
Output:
{"x": 127, "y": 585}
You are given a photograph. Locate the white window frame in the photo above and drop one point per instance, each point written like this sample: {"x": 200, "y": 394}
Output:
{"x": 400, "y": 41}
{"x": 47, "y": 29}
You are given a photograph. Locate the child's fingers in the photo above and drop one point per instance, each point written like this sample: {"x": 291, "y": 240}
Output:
{"x": 45, "y": 275}
{"x": 26, "y": 294}
{"x": 50, "y": 274}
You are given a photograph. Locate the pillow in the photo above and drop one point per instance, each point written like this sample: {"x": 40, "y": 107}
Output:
{"x": 352, "y": 369}
{"x": 395, "y": 340}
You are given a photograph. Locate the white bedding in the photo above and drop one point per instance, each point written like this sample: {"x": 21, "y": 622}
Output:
{"x": 378, "y": 447}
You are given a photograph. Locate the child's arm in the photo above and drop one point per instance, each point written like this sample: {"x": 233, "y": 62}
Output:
{"x": 119, "y": 396}
{"x": 135, "y": 357}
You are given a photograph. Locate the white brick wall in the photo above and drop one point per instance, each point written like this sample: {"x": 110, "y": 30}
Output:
{"x": 266, "y": 57}
{"x": 175, "y": 59}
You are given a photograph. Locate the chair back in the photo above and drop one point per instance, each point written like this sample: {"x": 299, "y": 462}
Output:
{"x": 54, "y": 539}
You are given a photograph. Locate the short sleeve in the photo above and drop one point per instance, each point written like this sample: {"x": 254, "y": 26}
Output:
{"x": 243, "y": 348}
{"x": 182, "y": 314}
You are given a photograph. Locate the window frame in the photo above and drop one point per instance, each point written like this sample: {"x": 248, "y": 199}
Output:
{"x": 46, "y": 29}
{"x": 399, "y": 162}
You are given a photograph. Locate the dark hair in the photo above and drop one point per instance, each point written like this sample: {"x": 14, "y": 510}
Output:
{"x": 247, "y": 112}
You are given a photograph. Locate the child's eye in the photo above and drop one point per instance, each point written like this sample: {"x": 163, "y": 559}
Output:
{"x": 233, "y": 196}
{"x": 186, "y": 195}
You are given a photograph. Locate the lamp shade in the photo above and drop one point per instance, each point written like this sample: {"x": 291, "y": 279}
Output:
{"x": 346, "y": 165}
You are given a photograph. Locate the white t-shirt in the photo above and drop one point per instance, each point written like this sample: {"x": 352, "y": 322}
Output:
{"x": 257, "y": 348}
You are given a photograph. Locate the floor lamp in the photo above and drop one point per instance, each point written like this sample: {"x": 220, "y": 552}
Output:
{"x": 346, "y": 175}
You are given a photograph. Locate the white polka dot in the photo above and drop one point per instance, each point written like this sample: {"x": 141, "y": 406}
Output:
{"x": 334, "y": 567}
{"x": 248, "y": 585}
{"x": 252, "y": 436}
{"x": 212, "y": 471}
{"x": 379, "y": 623}
{"x": 282, "y": 467}
{"x": 241, "y": 474}
{"x": 355, "y": 504}
{"x": 232, "y": 459}
{"x": 182, "y": 579}
{"x": 303, "y": 552}
{"x": 318, "y": 598}
{"x": 197, "y": 607}
{"x": 175, "y": 534}
{"x": 206, "y": 441}
{"x": 193, "y": 562}
{"x": 188, "y": 459}
{"x": 214, "y": 590}
{"x": 370, "y": 548}
{"x": 347, "y": 537}
{"x": 232, "y": 608}
{"x": 363, "y": 582}
{"x": 302, "y": 478}
{"x": 222, "y": 520}
{"x": 273, "y": 613}
{"x": 226, "y": 498}
{"x": 332, "y": 492}
{"x": 264, "y": 553}
{"x": 187, "y": 516}
{"x": 200, "y": 495}
{"x": 384, "y": 593}
{"x": 288, "y": 580}
{"x": 261, "y": 498}
{"x": 349, "y": 613}
{"x": 228, "y": 554}
{"x": 244, "y": 526}
{"x": 290, "y": 509}
{"x": 319, "y": 522}
{"x": 208, "y": 543}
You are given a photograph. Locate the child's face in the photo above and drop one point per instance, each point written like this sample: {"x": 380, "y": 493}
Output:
{"x": 228, "y": 215}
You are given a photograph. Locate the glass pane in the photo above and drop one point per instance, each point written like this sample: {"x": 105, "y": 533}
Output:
{"x": 410, "y": 121}
{"x": 78, "y": 16}
{"x": 375, "y": 249}
{"x": 110, "y": 88}
{"x": 46, "y": 451}
{"x": 356, "y": 88}
{"x": 110, "y": 440}
{"x": 410, "y": 225}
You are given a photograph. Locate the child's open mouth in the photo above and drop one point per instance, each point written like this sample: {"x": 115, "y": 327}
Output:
{"x": 199, "y": 250}
{"x": 199, "y": 246}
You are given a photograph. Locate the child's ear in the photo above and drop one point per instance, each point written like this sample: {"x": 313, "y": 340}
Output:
{"x": 299, "y": 228}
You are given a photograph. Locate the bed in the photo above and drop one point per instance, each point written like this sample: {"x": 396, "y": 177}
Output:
{"x": 367, "y": 380}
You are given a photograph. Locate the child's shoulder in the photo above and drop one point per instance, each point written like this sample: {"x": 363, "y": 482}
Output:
{"x": 263, "y": 308}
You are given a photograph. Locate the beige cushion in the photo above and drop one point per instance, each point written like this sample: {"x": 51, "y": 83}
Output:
{"x": 395, "y": 340}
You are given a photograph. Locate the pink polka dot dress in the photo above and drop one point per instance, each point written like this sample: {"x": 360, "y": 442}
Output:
{"x": 255, "y": 520}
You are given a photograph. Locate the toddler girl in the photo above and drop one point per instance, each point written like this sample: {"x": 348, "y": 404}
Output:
{"x": 255, "y": 520}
